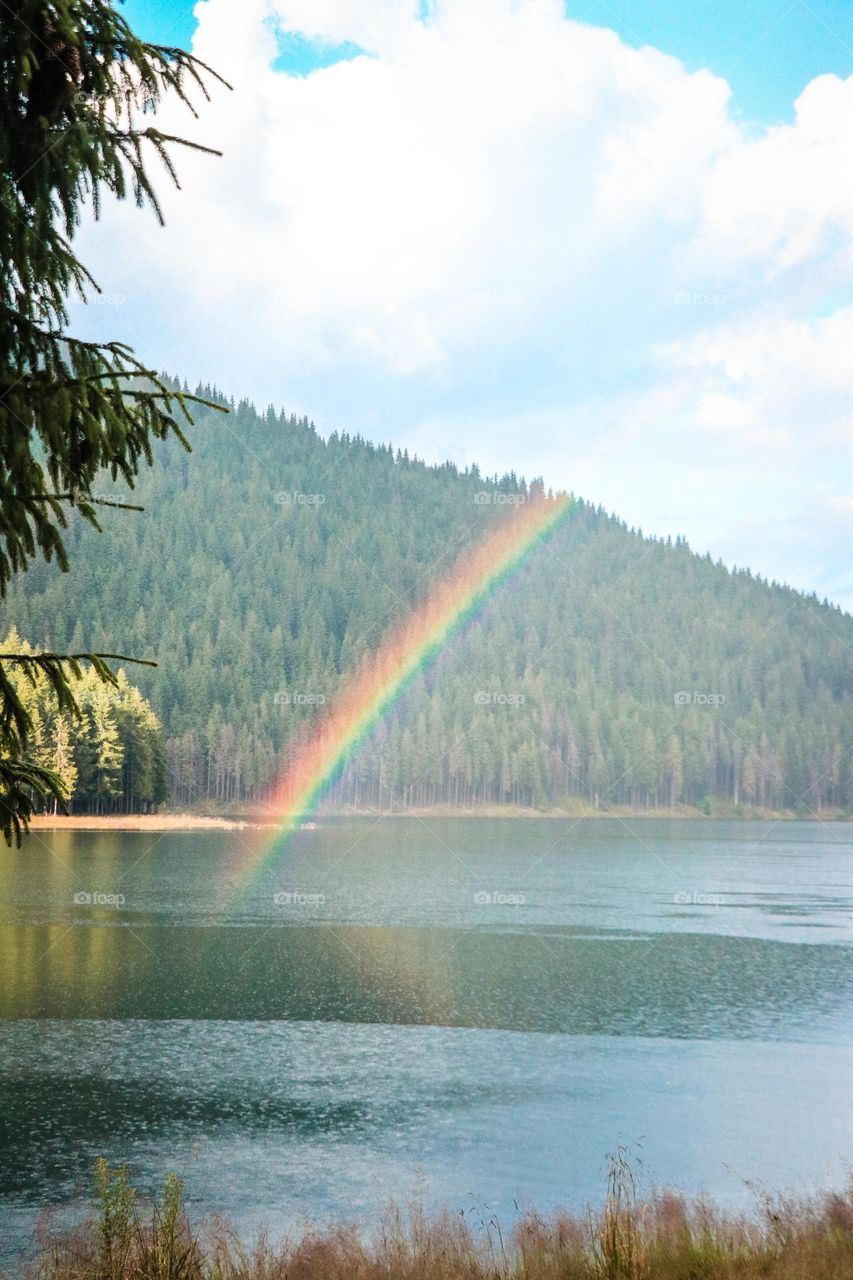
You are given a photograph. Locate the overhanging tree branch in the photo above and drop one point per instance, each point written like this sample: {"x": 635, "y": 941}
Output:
{"x": 73, "y": 81}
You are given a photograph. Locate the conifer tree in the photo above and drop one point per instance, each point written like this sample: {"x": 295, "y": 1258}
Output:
{"x": 77, "y": 94}
{"x": 111, "y": 756}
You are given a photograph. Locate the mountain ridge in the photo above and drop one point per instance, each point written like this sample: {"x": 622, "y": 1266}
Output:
{"x": 612, "y": 669}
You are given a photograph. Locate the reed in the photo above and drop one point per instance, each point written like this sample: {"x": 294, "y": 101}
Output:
{"x": 661, "y": 1237}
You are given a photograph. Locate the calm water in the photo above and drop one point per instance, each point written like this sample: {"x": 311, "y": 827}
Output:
{"x": 464, "y": 1010}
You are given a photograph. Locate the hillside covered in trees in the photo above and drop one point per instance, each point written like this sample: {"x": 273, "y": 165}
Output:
{"x": 611, "y": 668}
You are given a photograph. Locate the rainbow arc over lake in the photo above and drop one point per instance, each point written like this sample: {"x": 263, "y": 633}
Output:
{"x": 407, "y": 649}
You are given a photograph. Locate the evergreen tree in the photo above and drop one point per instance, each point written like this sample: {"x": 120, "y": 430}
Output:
{"x": 110, "y": 756}
{"x": 76, "y": 86}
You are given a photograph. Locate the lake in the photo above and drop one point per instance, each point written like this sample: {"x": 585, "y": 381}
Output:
{"x": 470, "y": 1012}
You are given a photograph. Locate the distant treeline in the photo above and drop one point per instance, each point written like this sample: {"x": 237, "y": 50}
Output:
{"x": 111, "y": 758}
{"x": 612, "y": 667}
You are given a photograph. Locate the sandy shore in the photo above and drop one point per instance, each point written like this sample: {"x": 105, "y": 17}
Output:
{"x": 134, "y": 822}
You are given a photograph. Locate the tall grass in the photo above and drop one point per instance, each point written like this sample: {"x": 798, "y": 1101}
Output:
{"x": 663, "y": 1237}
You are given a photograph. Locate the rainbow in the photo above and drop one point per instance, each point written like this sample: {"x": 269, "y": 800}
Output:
{"x": 406, "y": 650}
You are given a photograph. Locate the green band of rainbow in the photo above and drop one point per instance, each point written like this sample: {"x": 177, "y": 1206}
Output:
{"x": 405, "y": 651}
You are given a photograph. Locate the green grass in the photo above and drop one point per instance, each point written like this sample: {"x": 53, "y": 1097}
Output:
{"x": 664, "y": 1237}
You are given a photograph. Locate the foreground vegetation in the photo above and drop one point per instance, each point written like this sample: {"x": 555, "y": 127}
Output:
{"x": 662, "y": 1238}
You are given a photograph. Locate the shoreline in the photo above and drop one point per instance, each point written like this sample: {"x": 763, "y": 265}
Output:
{"x": 185, "y": 821}
{"x": 135, "y": 822}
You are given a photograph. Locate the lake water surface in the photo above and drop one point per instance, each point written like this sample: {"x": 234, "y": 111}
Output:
{"x": 469, "y": 1011}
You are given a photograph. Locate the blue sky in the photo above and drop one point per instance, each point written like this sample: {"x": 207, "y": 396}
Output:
{"x": 164, "y": 21}
{"x": 608, "y": 243}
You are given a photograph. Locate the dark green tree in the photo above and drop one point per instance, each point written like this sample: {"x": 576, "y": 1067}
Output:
{"x": 78, "y": 91}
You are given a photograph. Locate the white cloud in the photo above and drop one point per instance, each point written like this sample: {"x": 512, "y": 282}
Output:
{"x": 503, "y": 232}
{"x": 782, "y": 198}
{"x": 774, "y": 380}
{"x": 841, "y": 504}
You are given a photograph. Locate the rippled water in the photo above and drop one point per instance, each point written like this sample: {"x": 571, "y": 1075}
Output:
{"x": 472, "y": 1011}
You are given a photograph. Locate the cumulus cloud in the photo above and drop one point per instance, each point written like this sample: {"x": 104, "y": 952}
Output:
{"x": 505, "y": 233}
{"x": 786, "y": 197}
{"x": 774, "y": 380}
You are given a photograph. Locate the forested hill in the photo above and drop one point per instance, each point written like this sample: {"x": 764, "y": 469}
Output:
{"x": 610, "y": 667}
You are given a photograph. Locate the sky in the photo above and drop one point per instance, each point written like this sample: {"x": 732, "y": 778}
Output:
{"x": 606, "y": 243}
